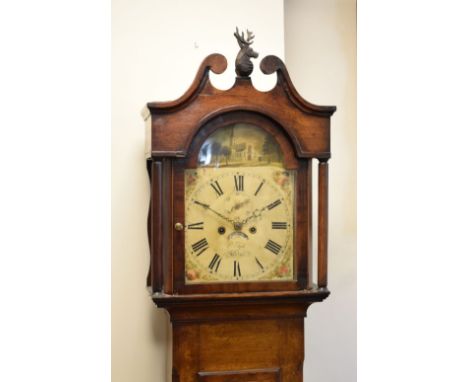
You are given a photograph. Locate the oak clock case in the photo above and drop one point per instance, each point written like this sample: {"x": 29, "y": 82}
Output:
{"x": 230, "y": 222}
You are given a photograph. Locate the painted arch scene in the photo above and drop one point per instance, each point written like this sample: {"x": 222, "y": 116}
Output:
{"x": 240, "y": 145}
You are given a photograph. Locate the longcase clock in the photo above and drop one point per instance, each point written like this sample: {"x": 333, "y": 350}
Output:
{"x": 230, "y": 222}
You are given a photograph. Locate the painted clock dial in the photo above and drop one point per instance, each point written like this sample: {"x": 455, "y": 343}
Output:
{"x": 239, "y": 209}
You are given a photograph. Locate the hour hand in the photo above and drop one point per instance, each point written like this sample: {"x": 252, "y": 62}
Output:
{"x": 202, "y": 204}
{"x": 212, "y": 210}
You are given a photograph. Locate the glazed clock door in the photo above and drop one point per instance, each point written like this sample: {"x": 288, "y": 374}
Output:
{"x": 239, "y": 209}
{"x": 239, "y": 212}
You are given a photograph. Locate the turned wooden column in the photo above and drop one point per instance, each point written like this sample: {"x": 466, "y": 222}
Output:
{"x": 322, "y": 261}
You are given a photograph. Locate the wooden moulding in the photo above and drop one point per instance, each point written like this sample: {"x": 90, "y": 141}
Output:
{"x": 175, "y": 123}
{"x": 230, "y": 306}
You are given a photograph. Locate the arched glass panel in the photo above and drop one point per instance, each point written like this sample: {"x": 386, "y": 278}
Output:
{"x": 240, "y": 145}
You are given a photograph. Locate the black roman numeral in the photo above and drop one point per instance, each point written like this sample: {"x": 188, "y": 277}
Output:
{"x": 273, "y": 247}
{"x": 259, "y": 187}
{"x": 274, "y": 204}
{"x": 239, "y": 182}
{"x": 200, "y": 246}
{"x": 217, "y": 187}
{"x": 279, "y": 225}
{"x": 259, "y": 264}
{"x": 237, "y": 271}
{"x": 215, "y": 261}
{"x": 195, "y": 226}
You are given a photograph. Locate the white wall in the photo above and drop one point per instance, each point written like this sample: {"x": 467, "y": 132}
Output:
{"x": 156, "y": 49}
{"x": 320, "y": 50}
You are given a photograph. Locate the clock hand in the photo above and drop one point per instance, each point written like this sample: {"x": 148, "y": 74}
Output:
{"x": 201, "y": 204}
{"x": 255, "y": 214}
{"x": 212, "y": 210}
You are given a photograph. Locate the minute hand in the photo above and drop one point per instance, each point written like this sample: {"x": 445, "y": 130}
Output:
{"x": 214, "y": 211}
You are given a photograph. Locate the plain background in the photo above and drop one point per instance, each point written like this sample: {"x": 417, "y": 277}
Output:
{"x": 157, "y": 48}
{"x": 55, "y": 161}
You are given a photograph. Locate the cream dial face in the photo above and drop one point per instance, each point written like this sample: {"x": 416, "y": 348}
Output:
{"x": 239, "y": 224}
